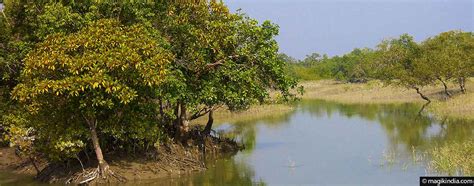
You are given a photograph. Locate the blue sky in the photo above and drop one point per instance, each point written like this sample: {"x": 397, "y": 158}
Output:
{"x": 337, "y": 26}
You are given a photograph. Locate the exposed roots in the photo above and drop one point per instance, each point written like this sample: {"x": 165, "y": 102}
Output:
{"x": 182, "y": 156}
{"x": 90, "y": 175}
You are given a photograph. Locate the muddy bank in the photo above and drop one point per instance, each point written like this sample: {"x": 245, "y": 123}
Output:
{"x": 11, "y": 162}
{"x": 173, "y": 158}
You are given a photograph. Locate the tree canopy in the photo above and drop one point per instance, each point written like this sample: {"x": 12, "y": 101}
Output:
{"x": 450, "y": 57}
{"x": 88, "y": 75}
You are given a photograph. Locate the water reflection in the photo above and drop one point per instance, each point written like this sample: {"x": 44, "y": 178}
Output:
{"x": 391, "y": 140}
{"x": 225, "y": 171}
{"x": 246, "y": 132}
{"x": 330, "y": 143}
{"x": 402, "y": 123}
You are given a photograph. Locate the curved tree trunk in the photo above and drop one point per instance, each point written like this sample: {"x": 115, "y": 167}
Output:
{"x": 421, "y": 94}
{"x": 445, "y": 87}
{"x": 210, "y": 121}
{"x": 103, "y": 165}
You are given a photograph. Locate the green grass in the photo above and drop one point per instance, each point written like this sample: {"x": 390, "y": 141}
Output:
{"x": 454, "y": 158}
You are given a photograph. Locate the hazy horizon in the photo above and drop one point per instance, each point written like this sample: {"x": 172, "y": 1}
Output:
{"x": 336, "y": 27}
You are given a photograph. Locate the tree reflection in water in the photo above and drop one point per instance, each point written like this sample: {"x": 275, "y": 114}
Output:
{"x": 402, "y": 123}
{"x": 403, "y": 129}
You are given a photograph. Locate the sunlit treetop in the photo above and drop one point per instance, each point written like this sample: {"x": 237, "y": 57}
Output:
{"x": 103, "y": 64}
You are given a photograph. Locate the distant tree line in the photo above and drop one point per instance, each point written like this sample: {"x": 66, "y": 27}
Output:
{"x": 447, "y": 57}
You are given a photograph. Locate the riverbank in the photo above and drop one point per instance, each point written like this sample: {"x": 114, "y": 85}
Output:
{"x": 167, "y": 160}
{"x": 460, "y": 106}
{"x": 173, "y": 158}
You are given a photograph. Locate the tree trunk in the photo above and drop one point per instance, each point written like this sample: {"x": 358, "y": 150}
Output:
{"x": 462, "y": 84}
{"x": 421, "y": 94}
{"x": 182, "y": 122}
{"x": 210, "y": 121}
{"x": 445, "y": 87}
{"x": 103, "y": 166}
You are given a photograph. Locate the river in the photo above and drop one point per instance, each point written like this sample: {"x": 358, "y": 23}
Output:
{"x": 327, "y": 143}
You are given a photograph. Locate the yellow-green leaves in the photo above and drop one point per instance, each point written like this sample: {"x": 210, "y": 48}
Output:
{"x": 104, "y": 60}
{"x": 121, "y": 71}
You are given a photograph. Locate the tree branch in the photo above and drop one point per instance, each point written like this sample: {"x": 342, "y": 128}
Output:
{"x": 215, "y": 64}
{"x": 203, "y": 112}
{"x": 221, "y": 62}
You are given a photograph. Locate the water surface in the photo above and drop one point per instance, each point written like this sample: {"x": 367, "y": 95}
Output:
{"x": 329, "y": 143}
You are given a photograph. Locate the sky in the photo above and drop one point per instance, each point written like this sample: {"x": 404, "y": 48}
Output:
{"x": 335, "y": 27}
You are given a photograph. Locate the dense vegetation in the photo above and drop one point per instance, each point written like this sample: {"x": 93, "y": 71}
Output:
{"x": 447, "y": 57}
{"x": 92, "y": 76}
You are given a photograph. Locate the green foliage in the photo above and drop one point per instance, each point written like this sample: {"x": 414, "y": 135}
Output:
{"x": 26, "y": 23}
{"x": 17, "y": 132}
{"x": 221, "y": 59}
{"x": 304, "y": 73}
{"x": 444, "y": 57}
{"x": 399, "y": 63}
{"x": 128, "y": 69}
{"x": 354, "y": 67}
{"x": 287, "y": 58}
{"x": 57, "y": 18}
{"x": 105, "y": 72}
{"x": 450, "y": 55}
